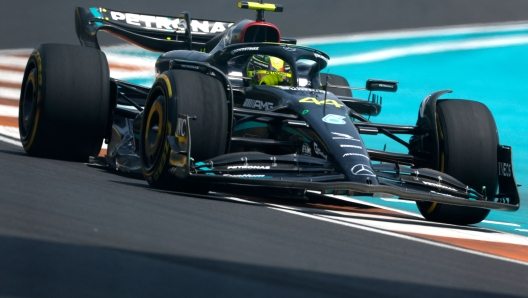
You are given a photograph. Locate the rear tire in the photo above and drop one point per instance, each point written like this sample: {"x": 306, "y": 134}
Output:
{"x": 468, "y": 151}
{"x": 189, "y": 93}
{"x": 64, "y": 102}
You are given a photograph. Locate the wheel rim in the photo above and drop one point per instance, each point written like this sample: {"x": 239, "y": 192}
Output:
{"x": 28, "y": 103}
{"x": 154, "y": 132}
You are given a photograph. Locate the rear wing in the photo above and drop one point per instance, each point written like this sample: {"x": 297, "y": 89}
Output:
{"x": 154, "y": 33}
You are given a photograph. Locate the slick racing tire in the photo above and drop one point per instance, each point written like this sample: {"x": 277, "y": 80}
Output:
{"x": 334, "y": 79}
{"x": 64, "y": 102}
{"x": 182, "y": 92}
{"x": 468, "y": 151}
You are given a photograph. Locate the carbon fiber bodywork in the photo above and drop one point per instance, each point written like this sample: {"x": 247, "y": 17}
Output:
{"x": 297, "y": 136}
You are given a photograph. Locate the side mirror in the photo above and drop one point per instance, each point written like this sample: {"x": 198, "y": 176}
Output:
{"x": 381, "y": 85}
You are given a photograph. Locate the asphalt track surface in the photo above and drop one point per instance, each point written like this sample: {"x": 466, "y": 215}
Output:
{"x": 68, "y": 230}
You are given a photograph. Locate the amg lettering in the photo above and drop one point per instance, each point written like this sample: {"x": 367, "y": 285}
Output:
{"x": 257, "y": 104}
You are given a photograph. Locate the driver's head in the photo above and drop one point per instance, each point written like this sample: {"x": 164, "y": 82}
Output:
{"x": 268, "y": 70}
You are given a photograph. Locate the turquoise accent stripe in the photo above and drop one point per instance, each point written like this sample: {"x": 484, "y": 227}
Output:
{"x": 96, "y": 14}
{"x": 249, "y": 125}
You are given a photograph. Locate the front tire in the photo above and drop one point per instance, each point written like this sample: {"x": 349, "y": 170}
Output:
{"x": 64, "y": 102}
{"x": 189, "y": 93}
{"x": 468, "y": 151}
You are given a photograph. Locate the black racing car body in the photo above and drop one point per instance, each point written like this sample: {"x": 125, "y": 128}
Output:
{"x": 304, "y": 135}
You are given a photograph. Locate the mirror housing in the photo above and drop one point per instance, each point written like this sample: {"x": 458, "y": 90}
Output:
{"x": 381, "y": 85}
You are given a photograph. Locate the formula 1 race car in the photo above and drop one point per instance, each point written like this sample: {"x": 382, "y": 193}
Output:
{"x": 238, "y": 105}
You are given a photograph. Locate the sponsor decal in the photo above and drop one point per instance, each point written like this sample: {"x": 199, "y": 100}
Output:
{"x": 257, "y": 104}
{"x": 505, "y": 169}
{"x": 306, "y": 150}
{"x": 362, "y": 170}
{"x": 305, "y": 112}
{"x": 246, "y": 176}
{"x": 356, "y": 154}
{"x": 249, "y": 167}
{"x": 305, "y": 89}
{"x": 181, "y": 127}
{"x": 319, "y": 151}
{"x": 189, "y": 66}
{"x": 166, "y": 23}
{"x": 320, "y": 56}
{"x": 290, "y": 49}
{"x": 342, "y": 136}
{"x": 320, "y": 102}
{"x": 233, "y": 52}
{"x": 351, "y": 146}
{"x": 438, "y": 185}
{"x": 334, "y": 119}
{"x": 276, "y": 72}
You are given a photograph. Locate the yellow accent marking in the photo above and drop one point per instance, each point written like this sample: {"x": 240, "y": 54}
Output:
{"x": 442, "y": 161}
{"x": 107, "y": 18}
{"x": 439, "y": 127}
{"x": 257, "y": 6}
{"x": 104, "y": 9}
{"x": 431, "y": 209}
{"x": 167, "y": 82}
{"x": 168, "y": 38}
{"x": 264, "y": 6}
{"x": 320, "y": 102}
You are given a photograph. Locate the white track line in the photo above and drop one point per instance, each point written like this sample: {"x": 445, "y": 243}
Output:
{"x": 13, "y": 61}
{"x": 10, "y": 135}
{"x": 8, "y": 111}
{"x": 429, "y": 48}
{"x": 402, "y": 236}
{"x": 9, "y": 93}
{"x": 501, "y": 223}
{"x": 352, "y": 200}
{"x": 9, "y": 131}
{"x": 10, "y": 141}
{"x": 10, "y": 76}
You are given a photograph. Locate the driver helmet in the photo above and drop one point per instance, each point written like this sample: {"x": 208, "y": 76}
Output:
{"x": 268, "y": 70}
